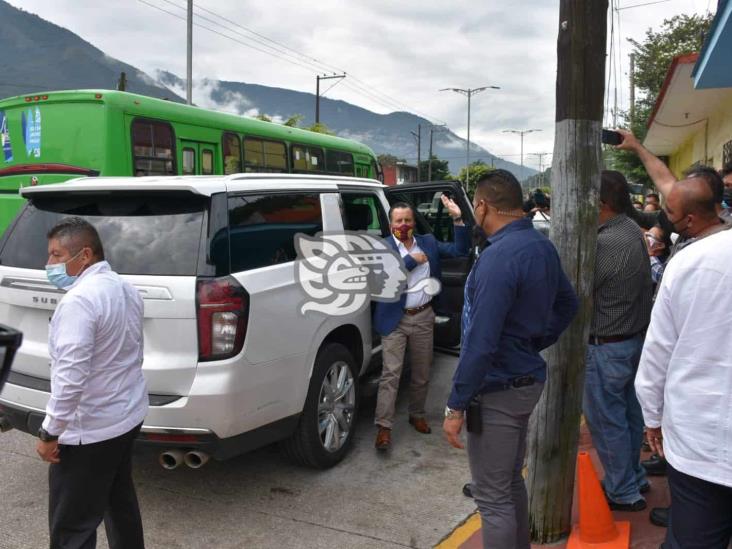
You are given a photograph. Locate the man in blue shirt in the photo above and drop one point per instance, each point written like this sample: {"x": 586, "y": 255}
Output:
{"x": 517, "y": 303}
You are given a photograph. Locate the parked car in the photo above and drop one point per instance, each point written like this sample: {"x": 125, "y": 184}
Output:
{"x": 229, "y": 362}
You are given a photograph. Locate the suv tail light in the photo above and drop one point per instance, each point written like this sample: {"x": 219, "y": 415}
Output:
{"x": 223, "y": 311}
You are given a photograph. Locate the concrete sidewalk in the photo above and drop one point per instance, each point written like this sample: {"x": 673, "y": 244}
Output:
{"x": 643, "y": 534}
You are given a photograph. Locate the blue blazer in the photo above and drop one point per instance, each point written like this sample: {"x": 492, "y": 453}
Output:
{"x": 387, "y": 315}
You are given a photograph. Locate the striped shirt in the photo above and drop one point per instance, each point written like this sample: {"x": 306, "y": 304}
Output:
{"x": 623, "y": 289}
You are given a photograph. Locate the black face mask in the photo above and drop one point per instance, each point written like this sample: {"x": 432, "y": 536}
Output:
{"x": 728, "y": 196}
{"x": 479, "y": 236}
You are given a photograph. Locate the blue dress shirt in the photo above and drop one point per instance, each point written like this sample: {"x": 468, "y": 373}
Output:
{"x": 517, "y": 303}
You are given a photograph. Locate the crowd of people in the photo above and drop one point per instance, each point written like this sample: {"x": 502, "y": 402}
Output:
{"x": 659, "y": 358}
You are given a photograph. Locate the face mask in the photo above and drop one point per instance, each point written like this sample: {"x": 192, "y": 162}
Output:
{"x": 57, "y": 275}
{"x": 403, "y": 232}
{"x": 728, "y": 196}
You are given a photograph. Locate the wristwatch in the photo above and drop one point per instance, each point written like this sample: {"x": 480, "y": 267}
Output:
{"x": 45, "y": 436}
{"x": 453, "y": 414}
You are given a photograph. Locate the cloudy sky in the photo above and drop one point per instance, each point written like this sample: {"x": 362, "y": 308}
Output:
{"x": 398, "y": 53}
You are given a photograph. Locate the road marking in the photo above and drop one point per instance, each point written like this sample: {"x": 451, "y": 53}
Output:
{"x": 461, "y": 534}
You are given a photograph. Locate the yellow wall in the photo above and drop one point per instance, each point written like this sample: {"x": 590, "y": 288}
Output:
{"x": 717, "y": 131}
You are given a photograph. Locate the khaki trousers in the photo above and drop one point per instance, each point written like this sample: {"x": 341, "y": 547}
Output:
{"x": 416, "y": 332}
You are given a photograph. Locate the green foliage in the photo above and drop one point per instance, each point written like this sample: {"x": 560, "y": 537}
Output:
{"x": 440, "y": 169}
{"x": 477, "y": 170}
{"x": 319, "y": 127}
{"x": 388, "y": 159}
{"x": 540, "y": 181}
{"x": 679, "y": 35}
{"x": 263, "y": 117}
{"x": 293, "y": 121}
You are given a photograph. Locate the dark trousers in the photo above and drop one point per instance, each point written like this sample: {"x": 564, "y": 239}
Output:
{"x": 701, "y": 513}
{"x": 93, "y": 482}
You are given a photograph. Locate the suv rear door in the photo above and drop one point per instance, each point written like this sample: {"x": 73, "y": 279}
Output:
{"x": 435, "y": 220}
{"x": 153, "y": 240}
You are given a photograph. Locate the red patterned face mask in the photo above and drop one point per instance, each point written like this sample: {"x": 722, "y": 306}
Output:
{"x": 403, "y": 232}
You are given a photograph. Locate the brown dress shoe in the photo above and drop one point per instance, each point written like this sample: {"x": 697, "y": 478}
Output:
{"x": 420, "y": 424}
{"x": 383, "y": 439}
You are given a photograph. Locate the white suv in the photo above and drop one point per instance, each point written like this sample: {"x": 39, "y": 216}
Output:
{"x": 230, "y": 364}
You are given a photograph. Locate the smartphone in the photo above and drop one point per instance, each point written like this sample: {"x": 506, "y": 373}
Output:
{"x": 610, "y": 137}
{"x": 473, "y": 418}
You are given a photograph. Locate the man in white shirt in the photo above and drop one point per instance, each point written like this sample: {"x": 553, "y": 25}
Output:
{"x": 684, "y": 386}
{"x": 98, "y": 394}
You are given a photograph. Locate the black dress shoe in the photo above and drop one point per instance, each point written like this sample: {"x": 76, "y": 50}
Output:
{"x": 637, "y": 505}
{"x": 659, "y": 516}
{"x": 655, "y": 465}
{"x": 467, "y": 490}
{"x": 645, "y": 488}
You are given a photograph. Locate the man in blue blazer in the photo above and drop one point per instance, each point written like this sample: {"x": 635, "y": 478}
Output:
{"x": 410, "y": 321}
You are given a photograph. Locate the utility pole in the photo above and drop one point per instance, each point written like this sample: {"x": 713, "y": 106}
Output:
{"x": 576, "y": 165}
{"x": 122, "y": 82}
{"x": 521, "y": 133}
{"x": 632, "y": 88}
{"x": 469, "y": 92}
{"x": 541, "y": 165}
{"x": 429, "y": 162}
{"x": 318, "y": 78}
{"x": 418, "y": 136}
{"x": 189, "y": 57}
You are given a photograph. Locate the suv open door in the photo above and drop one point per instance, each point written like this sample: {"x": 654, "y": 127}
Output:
{"x": 432, "y": 218}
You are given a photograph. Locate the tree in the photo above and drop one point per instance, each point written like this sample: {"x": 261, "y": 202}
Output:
{"x": 440, "y": 169}
{"x": 679, "y": 35}
{"x": 477, "y": 170}
{"x": 386, "y": 159}
{"x": 319, "y": 127}
{"x": 293, "y": 121}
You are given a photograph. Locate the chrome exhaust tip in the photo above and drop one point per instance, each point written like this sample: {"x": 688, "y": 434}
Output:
{"x": 196, "y": 459}
{"x": 170, "y": 459}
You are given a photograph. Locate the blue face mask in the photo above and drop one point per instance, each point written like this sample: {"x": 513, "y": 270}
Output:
{"x": 57, "y": 275}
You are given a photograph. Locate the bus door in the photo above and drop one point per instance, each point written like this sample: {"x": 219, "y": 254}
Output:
{"x": 197, "y": 158}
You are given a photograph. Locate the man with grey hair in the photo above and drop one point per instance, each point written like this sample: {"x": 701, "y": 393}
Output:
{"x": 98, "y": 394}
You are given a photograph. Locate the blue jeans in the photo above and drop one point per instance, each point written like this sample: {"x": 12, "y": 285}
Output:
{"x": 615, "y": 417}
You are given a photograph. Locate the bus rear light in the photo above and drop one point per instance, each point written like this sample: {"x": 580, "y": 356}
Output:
{"x": 97, "y": 96}
{"x": 37, "y": 98}
{"x": 44, "y": 97}
{"x": 223, "y": 312}
{"x": 28, "y": 99}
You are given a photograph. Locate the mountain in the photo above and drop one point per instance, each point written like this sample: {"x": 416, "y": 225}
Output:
{"x": 384, "y": 133}
{"x": 40, "y": 56}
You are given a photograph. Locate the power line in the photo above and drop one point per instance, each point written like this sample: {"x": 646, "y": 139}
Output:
{"x": 310, "y": 63}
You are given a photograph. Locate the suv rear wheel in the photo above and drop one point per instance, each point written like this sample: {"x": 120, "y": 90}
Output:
{"x": 328, "y": 420}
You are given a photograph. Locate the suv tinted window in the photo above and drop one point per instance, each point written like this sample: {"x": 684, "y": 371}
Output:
{"x": 142, "y": 234}
{"x": 262, "y": 227}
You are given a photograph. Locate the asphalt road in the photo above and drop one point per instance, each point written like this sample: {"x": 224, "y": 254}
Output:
{"x": 408, "y": 498}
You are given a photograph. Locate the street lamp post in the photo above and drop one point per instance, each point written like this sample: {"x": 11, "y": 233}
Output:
{"x": 521, "y": 133}
{"x": 469, "y": 92}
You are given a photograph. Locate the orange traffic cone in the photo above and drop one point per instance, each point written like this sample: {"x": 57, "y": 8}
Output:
{"x": 596, "y": 529}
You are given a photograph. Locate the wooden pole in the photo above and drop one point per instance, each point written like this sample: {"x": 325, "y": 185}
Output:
{"x": 576, "y": 165}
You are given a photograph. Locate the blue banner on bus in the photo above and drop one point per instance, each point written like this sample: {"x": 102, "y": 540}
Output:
{"x": 5, "y": 138}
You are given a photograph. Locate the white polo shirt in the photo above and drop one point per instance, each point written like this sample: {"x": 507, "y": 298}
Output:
{"x": 96, "y": 344}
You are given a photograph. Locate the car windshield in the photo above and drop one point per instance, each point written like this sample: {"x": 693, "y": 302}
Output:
{"x": 142, "y": 233}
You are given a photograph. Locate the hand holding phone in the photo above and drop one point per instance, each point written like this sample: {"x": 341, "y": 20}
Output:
{"x": 611, "y": 137}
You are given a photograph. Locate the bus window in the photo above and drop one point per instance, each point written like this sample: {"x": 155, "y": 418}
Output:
{"x": 189, "y": 162}
{"x": 232, "y": 153}
{"x": 264, "y": 156}
{"x": 339, "y": 162}
{"x": 275, "y": 156}
{"x": 207, "y": 162}
{"x": 307, "y": 159}
{"x": 253, "y": 155}
{"x": 152, "y": 144}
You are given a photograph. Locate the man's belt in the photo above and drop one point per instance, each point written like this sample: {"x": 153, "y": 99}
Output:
{"x": 513, "y": 383}
{"x": 415, "y": 310}
{"x": 602, "y": 340}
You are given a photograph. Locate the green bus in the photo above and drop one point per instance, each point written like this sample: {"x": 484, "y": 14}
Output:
{"x": 51, "y": 137}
